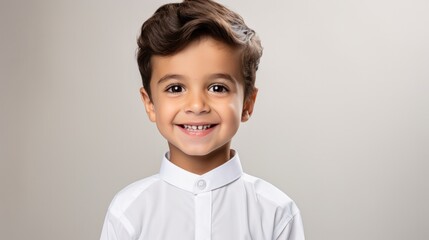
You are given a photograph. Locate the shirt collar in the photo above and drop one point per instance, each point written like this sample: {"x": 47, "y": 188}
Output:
{"x": 194, "y": 183}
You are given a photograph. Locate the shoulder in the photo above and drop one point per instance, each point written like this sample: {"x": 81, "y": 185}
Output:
{"x": 117, "y": 222}
{"x": 267, "y": 191}
{"x": 124, "y": 198}
{"x": 271, "y": 199}
{"x": 274, "y": 204}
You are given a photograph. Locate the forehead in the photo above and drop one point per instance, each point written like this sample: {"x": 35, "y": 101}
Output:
{"x": 201, "y": 58}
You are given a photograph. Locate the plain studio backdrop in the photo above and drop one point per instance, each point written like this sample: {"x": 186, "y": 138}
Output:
{"x": 340, "y": 125}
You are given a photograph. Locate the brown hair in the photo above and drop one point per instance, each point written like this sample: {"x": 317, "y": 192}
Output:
{"x": 173, "y": 26}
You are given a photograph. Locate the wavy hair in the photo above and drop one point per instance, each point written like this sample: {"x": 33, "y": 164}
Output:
{"x": 173, "y": 26}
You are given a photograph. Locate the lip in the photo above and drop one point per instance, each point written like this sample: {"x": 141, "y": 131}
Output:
{"x": 197, "y": 132}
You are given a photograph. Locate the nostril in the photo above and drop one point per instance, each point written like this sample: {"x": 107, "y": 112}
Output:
{"x": 197, "y": 103}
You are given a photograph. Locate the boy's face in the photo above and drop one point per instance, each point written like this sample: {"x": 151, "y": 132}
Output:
{"x": 197, "y": 97}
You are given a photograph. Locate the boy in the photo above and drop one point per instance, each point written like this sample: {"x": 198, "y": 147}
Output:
{"x": 198, "y": 62}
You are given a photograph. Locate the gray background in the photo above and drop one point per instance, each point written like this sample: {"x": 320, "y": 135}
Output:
{"x": 341, "y": 122}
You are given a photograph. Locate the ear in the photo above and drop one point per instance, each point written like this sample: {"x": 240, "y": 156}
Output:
{"x": 148, "y": 104}
{"x": 249, "y": 103}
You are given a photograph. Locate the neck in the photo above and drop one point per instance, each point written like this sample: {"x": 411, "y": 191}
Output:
{"x": 200, "y": 164}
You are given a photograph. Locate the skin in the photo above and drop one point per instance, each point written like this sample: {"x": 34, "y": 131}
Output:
{"x": 201, "y": 85}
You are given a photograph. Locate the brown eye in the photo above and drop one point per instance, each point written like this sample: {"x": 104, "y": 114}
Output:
{"x": 218, "y": 88}
{"x": 175, "y": 89}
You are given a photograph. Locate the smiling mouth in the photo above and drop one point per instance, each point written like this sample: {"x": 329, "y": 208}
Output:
{"x": 197, "y": 127}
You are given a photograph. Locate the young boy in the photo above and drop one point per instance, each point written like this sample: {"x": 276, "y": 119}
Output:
{"x": 198, "y": 62}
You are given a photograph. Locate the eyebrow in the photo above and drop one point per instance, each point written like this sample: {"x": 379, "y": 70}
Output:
{"x": 170, "y": 76}
{"x": 225, "y": 76}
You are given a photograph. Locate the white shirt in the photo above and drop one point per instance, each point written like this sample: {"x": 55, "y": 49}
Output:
{"x": 223, "y": 204}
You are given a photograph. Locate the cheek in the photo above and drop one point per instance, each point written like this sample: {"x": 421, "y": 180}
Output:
{"x": 233, "y": 112}
{"x": 165, "y": 114}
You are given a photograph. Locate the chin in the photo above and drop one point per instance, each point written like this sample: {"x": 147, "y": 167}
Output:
{"x": 197, "y": 152}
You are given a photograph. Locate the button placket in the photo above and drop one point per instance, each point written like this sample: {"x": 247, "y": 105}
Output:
{"x": 203, "y": 216}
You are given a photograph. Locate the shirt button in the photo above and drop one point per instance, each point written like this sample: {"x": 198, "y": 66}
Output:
{"x": 201, "y": 184}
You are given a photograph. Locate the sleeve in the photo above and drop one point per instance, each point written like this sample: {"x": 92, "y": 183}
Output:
{"x": 113, "y": 229}
{"x": 294, "y": 230}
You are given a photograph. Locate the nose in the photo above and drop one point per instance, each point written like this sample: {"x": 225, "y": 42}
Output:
{"x": 197, "y": 104}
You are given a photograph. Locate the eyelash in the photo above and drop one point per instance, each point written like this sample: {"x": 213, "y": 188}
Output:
{"x": 171, "y": 88}
{"x": 177, "y": 88}
{"x": 223, "y": 87}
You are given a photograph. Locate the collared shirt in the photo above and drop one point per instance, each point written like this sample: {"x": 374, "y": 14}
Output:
{"x": 223, "y": 204}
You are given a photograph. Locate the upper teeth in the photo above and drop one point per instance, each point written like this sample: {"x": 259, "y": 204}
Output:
{"x": 197, "y": 127}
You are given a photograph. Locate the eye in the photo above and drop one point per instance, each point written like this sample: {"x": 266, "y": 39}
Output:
{"x": 175, "y": 89}
{"x": 218, "y": 88}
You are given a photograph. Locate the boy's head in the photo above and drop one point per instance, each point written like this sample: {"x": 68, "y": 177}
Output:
{"x": 174, "y": 26}
{"x": 198, "y": 62}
